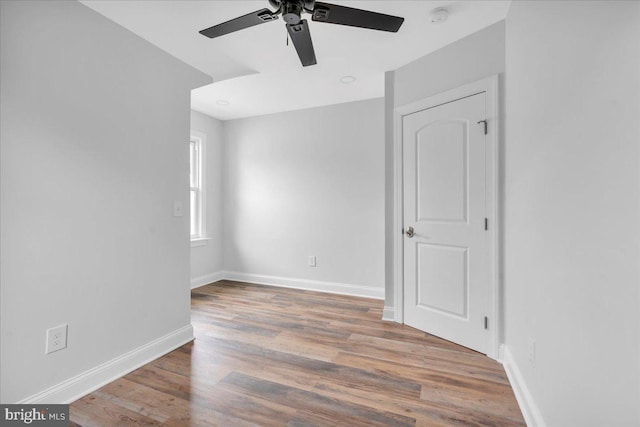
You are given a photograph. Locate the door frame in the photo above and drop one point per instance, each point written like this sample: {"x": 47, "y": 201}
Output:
{"x": 490, "y": 87}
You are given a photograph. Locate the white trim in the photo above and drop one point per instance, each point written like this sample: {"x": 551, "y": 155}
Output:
{"x": 201, "y": 137}
{"x": 398, "y": 242}
{"x": 199, "y": 241}
{"x": 206, "y": 279}
{"x": 311, "y": 285}
{"x": 493, "y": 213}
{"x": 530, "y": 411}
{"x": 80, "y": 385}
{"x": 490, "y": 87}
{"x": 388, "y": 314}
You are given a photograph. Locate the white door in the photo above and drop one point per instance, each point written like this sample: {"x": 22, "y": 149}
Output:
{"x": 446, "y": 259}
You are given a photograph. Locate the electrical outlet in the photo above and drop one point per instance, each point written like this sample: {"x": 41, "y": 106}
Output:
{"x": 56, "y": 338}
{"x": 532, "y": 352}
{"x": 312, "y": 261}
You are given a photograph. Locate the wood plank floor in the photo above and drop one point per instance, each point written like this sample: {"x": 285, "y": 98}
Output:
{"x": 267, "y": 356}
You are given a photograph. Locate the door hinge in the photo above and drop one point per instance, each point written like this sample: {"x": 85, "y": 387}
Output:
{"x": 486, "y": 322}
{"x": 486, "y": 223}
{"x": 486, "y": 126}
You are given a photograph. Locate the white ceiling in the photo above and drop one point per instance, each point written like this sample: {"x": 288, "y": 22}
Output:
{"x": 257, "y": 73}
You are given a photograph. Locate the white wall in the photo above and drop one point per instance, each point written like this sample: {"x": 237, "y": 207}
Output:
{"x": 572, "y": 208}
{"x": 389, "y": 197}
{"x": 303, "y": 183}
{"x": 207, "y": 259}
{"x": 94, "y": 124}
{"x": 470, "y": 59}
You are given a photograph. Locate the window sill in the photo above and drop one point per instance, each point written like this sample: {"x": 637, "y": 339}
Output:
{"x": 199, "y": 241}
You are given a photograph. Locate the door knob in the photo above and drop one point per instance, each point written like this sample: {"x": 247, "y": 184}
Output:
{"x": 410, "y": 233}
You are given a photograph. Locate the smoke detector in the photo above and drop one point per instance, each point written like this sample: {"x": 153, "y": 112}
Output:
{"x": 438, "y": 15}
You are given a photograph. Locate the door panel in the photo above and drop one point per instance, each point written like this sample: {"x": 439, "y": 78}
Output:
{"x": 446, "y": 261}
{"x": 441, "y": 158}
{"x": 442, "y": 279}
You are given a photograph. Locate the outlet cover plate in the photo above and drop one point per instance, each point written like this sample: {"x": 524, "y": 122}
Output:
{"x": 532, "y": 352}
{"x": 56, "y": 338}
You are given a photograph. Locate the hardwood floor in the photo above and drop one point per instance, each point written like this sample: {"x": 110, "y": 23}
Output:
{"x": 267, "y": 356}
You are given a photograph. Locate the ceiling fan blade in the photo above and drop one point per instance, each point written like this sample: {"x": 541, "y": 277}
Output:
{"x": 301, "y": 38}
{"x": 240, "y": 23}
{"x": 342, "y": 15}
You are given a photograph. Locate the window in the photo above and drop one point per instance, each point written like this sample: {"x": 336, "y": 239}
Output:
{"x": 196, "y": 179}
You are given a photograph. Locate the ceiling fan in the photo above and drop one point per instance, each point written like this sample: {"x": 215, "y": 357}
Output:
{"x": 298, "y": 29}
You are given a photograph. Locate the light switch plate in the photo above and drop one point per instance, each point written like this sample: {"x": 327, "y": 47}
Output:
{"x": 177, "y": 208}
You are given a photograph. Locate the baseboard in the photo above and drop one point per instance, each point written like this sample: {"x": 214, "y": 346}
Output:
{"x": 311, "y": 285}
{"x": 530, "y": 411}
{"x": 389, "y": 314}
{"x": 196, "y": 282}
{"x": 91, "y": 380}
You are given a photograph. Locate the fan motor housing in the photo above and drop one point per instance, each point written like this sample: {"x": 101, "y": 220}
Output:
{"x": 291, "y": 11}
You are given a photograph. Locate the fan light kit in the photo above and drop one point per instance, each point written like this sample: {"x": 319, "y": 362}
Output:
{"x": 298, "y": 28}
{"x": 439, "y": 15}
{"x": 347, "y": 79}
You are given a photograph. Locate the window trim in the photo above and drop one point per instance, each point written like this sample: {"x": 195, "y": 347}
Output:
{"x": 200, "y": 238}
